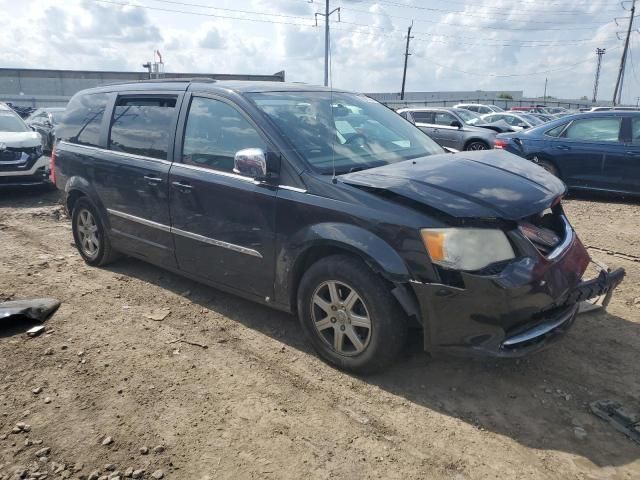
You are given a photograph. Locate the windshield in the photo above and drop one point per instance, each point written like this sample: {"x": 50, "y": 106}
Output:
{"x": 468, "y": 117}
{"x": 531, "y": 119}
{"x": 346, "y": 131}
{"x": 10, "y": 122}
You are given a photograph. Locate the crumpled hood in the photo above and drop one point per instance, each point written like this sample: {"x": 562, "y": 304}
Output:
{"x": 478, "y": 184}
{"x": 20, "y": 139}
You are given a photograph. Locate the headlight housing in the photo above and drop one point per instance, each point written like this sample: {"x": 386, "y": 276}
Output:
{"x": 466, "y": 248}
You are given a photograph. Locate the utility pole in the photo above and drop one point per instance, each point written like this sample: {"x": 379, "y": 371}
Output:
{"x": 326, "y": 16}
{"x": 617, "y": 92}
{"x": 406, "y": 58}
{"x": 544, "y": 97}
{"x": 599, "y": 52}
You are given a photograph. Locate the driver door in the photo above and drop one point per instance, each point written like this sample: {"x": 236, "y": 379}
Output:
{"x": 223, "y": 223}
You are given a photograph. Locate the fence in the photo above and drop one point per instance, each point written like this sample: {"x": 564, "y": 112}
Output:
{"x": 500, "y": 102}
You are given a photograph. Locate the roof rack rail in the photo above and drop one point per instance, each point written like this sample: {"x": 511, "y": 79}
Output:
{"x": 179, "y": 79}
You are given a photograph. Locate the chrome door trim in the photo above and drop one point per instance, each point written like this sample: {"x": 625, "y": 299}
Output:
{"x": 143, "y": 221}
{"x": 216, "y": 172}
{"x": 217, "y": 243}
{"x": 293, "y": 189}
{"x": 114, "y": 152}
{"x": 193, "y": 236}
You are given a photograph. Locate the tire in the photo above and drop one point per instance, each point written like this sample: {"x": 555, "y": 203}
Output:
{"x": 476, "y": 145}
{"x": 90, "y": 235}
{"x": 547, "y": 165}
{"x": 373, "y": 347}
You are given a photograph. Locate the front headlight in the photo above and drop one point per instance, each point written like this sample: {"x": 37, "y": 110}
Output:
{"x": 466, "y": 248}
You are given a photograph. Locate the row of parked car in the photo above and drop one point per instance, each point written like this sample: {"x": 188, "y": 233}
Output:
{"x": 594, "y": 150}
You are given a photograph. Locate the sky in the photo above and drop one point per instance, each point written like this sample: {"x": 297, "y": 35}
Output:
{"x": 457, "y": 44}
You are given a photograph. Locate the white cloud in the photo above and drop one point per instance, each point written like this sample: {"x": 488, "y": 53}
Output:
{"x": 458, "y": 44}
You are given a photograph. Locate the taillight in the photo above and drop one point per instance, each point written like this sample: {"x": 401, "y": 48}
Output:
{"x": 52, "y": 166}
{"x": 500, "y": 143}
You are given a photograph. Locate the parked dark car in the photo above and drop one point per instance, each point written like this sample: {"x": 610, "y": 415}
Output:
{"x": 356, "y": 220}
{"x": 588, "y": 151}
{"x": 451, "y": 127}
{"x": 43, "y": 121}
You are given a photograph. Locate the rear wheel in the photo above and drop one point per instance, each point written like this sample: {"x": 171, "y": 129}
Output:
{"x": 548, "y": 166}
{"x": 90, "y": 235}
{"x": 477, "y": 145}
{"x": 349, "y": 315}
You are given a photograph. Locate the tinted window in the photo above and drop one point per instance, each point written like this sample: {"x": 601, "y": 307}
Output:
{"x": 82, "y": 119}
{"x": 635, "y": 130}
{"x": 141, "y": 125}
{"x": 444, "y": 118}
{"x": 594, "y": 129}
{"x": 484, "y": 109}
{"x": 422, "y": 117}
{"x": 215, "y": 131}
{"x": 471, "y": 108}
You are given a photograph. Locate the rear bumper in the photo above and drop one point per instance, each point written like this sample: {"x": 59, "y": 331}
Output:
{"x": 524, "y": 309}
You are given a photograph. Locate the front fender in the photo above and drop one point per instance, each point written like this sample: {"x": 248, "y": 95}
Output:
{"x": 295, "y": 250}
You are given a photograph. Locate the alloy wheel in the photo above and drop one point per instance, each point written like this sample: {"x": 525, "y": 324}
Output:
{"x": 341, "y": 318}
{"x": 88, "y": 233}
{"x": 477, "y": 146}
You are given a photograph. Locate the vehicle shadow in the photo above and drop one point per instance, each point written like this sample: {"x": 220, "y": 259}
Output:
{"x": 603, "y": 197}
{"x": 16, "y": 325}
{"x": 537, "y": 401}
{"x": 28, "y": 197}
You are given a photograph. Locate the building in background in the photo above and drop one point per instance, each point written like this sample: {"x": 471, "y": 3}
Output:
{"x": 53, "y": 88}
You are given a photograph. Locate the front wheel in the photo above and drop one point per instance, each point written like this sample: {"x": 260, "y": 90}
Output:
{"x": 349, "y": 315}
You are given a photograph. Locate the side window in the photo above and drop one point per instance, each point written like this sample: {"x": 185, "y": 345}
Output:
{"x": 635, "y": 130}
{"x": 471, "y": 108}
{"x": 604, "y": 129}
{"x": 82, "y": 119}
{"x": 422, "y": 117}
{"x": 514, "y": 121}
{"x": 215, "y": 131}
{"x": 140, "y": 125}
{"x": 444, "y": 118}
{"x": 556, "y": 131}
{"x": 484, "y": 110}
{"x": 491, "y": 118}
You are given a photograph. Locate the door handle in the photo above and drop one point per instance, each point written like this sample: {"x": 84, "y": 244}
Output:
{"x": 151, "y": 180}
{"x": 182, "y": 187}
{"x": 563, "y": 147}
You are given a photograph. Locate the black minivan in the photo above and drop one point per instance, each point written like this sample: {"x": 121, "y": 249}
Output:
{"x": 328, "y": 204}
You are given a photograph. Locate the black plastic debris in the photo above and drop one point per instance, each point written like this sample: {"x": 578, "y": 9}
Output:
{"x": 38, "y": 309}
{"x": 620, "y": 418}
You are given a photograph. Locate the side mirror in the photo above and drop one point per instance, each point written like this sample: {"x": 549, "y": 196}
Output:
{"x": 251, "y": 162}
{"x": 456, "y": 124}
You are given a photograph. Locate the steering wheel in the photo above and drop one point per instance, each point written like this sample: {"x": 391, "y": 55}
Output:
{"x": 353, "y": 137}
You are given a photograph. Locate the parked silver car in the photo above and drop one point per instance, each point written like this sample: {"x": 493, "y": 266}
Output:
{"x": 517, "y": 120}
{"x": 451, "y": 127}
{"x": 479, "y": 108}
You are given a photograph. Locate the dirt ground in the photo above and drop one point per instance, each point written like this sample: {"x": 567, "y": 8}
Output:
{"x": 257, "y": 403}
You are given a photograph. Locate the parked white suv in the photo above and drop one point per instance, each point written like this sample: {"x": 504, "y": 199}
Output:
{"x": 21, "y": 159}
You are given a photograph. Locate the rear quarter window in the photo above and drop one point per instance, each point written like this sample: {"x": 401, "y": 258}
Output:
{"x": 82, "y": 119}
{"x": 555, "y": 131}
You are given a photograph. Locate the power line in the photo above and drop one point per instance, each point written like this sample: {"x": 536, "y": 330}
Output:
{"x": 478, "y": 15}
{"x": 201, "y": 14}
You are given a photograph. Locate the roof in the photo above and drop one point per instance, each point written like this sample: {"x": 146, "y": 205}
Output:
{"x": 208, "y": 84}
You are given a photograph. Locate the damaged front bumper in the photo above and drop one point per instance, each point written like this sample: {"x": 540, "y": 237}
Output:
{"x": 523, "y": 309}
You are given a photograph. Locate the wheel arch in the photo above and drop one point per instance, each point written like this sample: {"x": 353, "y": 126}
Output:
{"x": 321, "y": 241}
{"x": 77, "y": 187}
{"x": 476, "y": 139}
{"x": 546, "y": 158}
